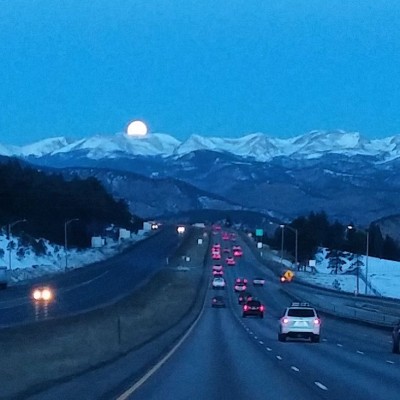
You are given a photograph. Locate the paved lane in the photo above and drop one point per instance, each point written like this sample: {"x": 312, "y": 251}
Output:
{"x": 92, "y": 286}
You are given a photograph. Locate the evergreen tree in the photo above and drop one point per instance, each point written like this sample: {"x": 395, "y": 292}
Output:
{"x": 335, "y": 261}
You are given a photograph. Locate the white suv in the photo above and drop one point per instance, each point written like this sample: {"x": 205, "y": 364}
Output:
{"x": 300, "y": 321}
{"x": 218, "y": 283}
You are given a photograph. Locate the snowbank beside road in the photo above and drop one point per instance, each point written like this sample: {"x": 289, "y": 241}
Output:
{"x": 28, "y": 264}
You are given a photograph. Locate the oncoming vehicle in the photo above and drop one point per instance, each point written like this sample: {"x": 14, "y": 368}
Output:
{"x": 253, "y": 307}
{"x": 300, "y": 320}
{"x": 218, "y": 301}
{"x": 218, "y": 283}
{"x": 44, "y": 293}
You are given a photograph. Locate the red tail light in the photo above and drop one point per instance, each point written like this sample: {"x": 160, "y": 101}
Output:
{"x": 261, "y": 308}
{"x": 237, "y": 280}
{"x": 245, "y": 307}
{"x": 317, "y": 321}
{"x": 285, "y": 320}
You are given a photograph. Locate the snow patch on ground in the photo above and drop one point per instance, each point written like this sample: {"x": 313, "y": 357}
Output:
{"x": 25, "y": 264}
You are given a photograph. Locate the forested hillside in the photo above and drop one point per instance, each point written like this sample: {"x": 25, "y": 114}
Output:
{"x": 48, "y": 201}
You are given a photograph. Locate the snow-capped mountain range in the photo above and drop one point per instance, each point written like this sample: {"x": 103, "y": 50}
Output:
{"x": 257, "y": 146}
{"x": 349, "y": 176}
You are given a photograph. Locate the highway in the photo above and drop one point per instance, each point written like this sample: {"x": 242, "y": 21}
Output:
{"x": 228, "y": 357}
{"x": 92, "y": 286}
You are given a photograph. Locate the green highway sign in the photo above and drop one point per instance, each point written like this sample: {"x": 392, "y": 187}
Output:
{"x": 259, "y": 232}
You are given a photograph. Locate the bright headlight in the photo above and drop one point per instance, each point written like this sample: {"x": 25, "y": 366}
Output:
{"x": 46, "y": 294}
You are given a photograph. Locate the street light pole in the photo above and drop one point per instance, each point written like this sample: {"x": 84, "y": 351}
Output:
{"x": 296, "y": 233}
{"x": 282, "y": 241}
{"x": 366, "y": 260}
{"x": 65, "y": 240}
{"x": 366, "y": 264}
{"x": 9, "y": 242}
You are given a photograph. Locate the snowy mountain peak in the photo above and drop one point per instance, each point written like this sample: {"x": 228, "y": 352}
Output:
{"x": 256, "y": 146}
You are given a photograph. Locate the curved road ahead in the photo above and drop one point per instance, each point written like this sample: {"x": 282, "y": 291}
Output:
{"x": 92, "y": 286}
{"x": 228, "y": 357}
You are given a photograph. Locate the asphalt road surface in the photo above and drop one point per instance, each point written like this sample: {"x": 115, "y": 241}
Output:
{"x": 90, "y": 287}
{"x": 230, "y": 357}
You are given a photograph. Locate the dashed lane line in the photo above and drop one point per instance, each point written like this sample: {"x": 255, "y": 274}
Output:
{"x": 261, "y": 342}
{"x": 279, "y": 358}
{"x": 360, "y": 352}
{"x": 294, "y": 368}
{"x": 320, "y": 385}
{"x": 339, "y": 345}
{"x": 390, "y": 361}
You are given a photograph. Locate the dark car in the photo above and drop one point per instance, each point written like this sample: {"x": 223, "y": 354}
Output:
{"x": 218, "y": 301}
{"x": 253, "y": 307}
{"x": 243, "y": 297}
{"x": 396, "y": 338}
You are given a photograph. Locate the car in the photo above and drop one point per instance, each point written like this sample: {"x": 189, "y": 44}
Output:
{"x": 239, "y": 287}
{"x": 216, "y": 256}
{"x": 43, "y": 294}
{"x": 258, "y": 281}
{"x": 218, "y": 272}
{"x": 300, "y": 320}
{"x": 217, "y": 267}
{"x": 218, "y": 301}
{"x": 243, "y": 297}
{"x": 225, "y": 236}
{"x": 396, "y": 339}
{"x": 226, "y": 250}
{"x": 230, "y": 261}
{"x": 237, "y": 251}
{"x": 253, "y": 307}
{"x": 244, "y": 280}
{"x": 218, "y": 283}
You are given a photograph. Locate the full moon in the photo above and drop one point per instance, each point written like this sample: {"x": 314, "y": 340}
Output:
{"x": 137, "y": 128}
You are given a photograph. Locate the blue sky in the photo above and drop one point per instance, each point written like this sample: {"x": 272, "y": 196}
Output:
{"x": 77, "y": 68}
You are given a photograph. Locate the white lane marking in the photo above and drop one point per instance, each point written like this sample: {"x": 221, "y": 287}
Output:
{"x": 261, "y": 342}
{"x": 294, "y": 368}
{"x": 247, "y": 329}
{"x": 79, "y": 285}
{"x": 360, "y": 352}
{"x": 320, "y": 385}
{"x": 324, "y": 340}
{"x": 390, "y": 362}
{"x": 279, "y": 357}
{"x": 255, "y": 337}
{"x": 269, "y": 348}
{"x": 251, "y": 333}
{"x": 339, "y": 345}
{"x": 156, "y": 367}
